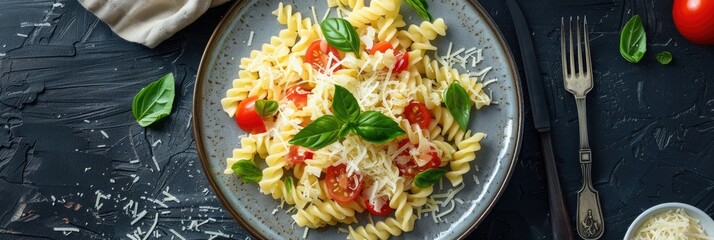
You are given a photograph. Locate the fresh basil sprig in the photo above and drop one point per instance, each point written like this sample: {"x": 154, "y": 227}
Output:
{"x": 458, "y": 103}
{"x": 340, "y": 34}
{"x": 345, "y": 105}
{"x": 372, "y": 126}
{"x": 266, "y": 108}
{"x": 288, "y": 184}
{"x": 421, "y": 8}
{"x": 664, "y": 58}
{"x": 249, "y": 172}
{"x": 320, "y": 133}
{"x": 375, "y": 127}
{"x": 427, "y": 178}
{"x": 154, "y": 101}
{"x": 633, "y": 40}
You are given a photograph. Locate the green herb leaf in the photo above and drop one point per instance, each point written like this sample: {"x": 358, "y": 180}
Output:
{"x": 633, "y": 40}
{"x": 427, "y": 178}
{"x": 288, "y": 183}
{"x": 266, "y": 108}
{"x": 323, "y": 131}
{"x": 249, "y": 172}
{"x": 375, "y": 127}
{"x": 664, "y": 57}
{"x": 340, "y": 34}
{"x": 421, "y": 8}
{"x": 154, "y": 101}
{"x": 458, "y": 104}
{"x": 344, "y": 105}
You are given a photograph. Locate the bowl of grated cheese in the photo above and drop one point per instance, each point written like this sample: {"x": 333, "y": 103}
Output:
{"x": 671, "y": 221}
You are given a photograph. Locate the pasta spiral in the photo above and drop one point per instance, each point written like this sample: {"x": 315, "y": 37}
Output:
{"x": 465, "y": 154}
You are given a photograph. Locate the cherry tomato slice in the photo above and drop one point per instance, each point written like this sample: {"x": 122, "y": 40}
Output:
{"x": 298, "y": 95}
{"x": 318, "y": 52}
{"x": 417, "y": 113}
{"x": 383, "y": 211}
{"x": 342, "y": 188}
{"x": 402, "y": 62}
{"x": 408, "y": 167}
{"x": 380, "y": 47}
{"x": 297, "y": 155}
{"x": 247, "y": 118}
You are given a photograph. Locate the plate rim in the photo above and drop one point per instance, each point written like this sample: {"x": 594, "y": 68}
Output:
{"x": 198, "y": 134}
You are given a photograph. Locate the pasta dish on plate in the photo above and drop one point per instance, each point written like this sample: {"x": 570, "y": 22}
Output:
{"x": 354, "y": 114}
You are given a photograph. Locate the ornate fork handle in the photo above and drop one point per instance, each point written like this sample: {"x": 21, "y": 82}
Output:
{"x": 589, "y": 215}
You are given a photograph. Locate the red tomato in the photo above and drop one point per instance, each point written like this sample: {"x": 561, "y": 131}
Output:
{"x": 417, "y": 113}
{"x": 408, "y": 167}
{"x": 298, "y": 95}
{"x": 318, "y": 52}
{"x": 380, "y": 47}
{"x": 342, "y": 188}
{"x": 402, "y": 62}
{"x": 297, "y": 155}
{"x": 383, "y": 211}
{"x": 247, "y": 118}
{"x": 695, "y": 20}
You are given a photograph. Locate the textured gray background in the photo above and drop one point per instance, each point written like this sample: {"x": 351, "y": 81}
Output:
{"x": 66, "y": 80}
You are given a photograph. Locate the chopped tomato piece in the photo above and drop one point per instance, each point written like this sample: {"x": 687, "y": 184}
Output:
{"x": 298, "y": 95}
{"x": 406, "y": 164}
{"x": 297, "y": 155}
{"x": 247, "y": 118}
{"x": 318, "y": 54}
{"x": 341, "y": 187}
{"x": 380, "y": 47}
{"x": 417, "y": 113}
{"x": 402, "y": 62}
{"x": 382, "y": 211}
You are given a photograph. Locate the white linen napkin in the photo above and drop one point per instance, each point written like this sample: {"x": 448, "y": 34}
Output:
{"x": 148, "y": 22}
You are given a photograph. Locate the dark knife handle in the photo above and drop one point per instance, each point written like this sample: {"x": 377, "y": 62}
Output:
{"x": 558, "y": 212}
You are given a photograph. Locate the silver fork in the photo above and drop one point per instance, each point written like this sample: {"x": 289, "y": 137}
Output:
{"x": 579, "y": 81}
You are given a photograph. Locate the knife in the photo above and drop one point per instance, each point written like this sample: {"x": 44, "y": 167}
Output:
{"x": 541, "y": 119}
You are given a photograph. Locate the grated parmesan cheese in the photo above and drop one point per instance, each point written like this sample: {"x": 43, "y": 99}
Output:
{"x": 673, "y": 224}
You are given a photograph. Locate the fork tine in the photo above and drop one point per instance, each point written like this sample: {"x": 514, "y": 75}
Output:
{"x": 580, "y": 52}
{"x": 562, "y": 48}
{"x": 572, "y": 57}
{"x": 588, "y": 64}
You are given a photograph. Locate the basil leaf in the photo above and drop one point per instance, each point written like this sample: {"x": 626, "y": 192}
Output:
{"x": 664, "y": 57}
{"x": 320, "y": 133}
{"x": 633, "y": 40}
{"x": 421, "y": 8}
{"x": 288, "y": 183}
{"x": 375, "y": 127}
{"x": 458, "y": 104}
{"x": 266, "y": 108}
{"x": 154, "y": 101}
{"x": 249, "y": 172}
{"x": 427, "y": 178}
{"x": 344, "y": 105}
{"x": 340, "y": 34}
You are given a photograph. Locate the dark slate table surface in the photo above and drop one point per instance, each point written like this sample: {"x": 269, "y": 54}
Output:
{"x": 72, "y": 156}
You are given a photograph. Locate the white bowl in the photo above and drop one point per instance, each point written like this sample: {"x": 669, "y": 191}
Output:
{"x": 704, "y": 220}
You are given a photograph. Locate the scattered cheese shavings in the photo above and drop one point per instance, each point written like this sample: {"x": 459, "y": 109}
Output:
{"x": 214, "y": 234}
{"x": 250, "y": 38}
{"x": 151, "y": 229}
{"x": 138, "y": 217}
{"x": 176, "y": 234}
{"x": 66, "y": 230}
